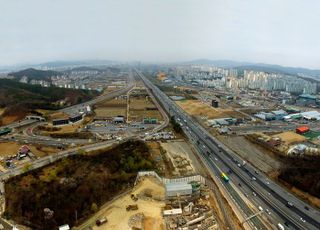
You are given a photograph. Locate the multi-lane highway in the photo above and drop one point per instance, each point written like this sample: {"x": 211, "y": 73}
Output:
{"x": 283, "y": 207}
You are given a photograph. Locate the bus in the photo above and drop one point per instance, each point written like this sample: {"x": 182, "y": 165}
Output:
{"x": 225, "y": 177}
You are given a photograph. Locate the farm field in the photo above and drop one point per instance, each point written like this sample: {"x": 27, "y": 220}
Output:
{"x": 141, "y": 106}
{"x": 111, "y": 108}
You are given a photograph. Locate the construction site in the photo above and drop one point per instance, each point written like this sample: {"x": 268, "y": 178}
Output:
{"x": 158, "y": 203}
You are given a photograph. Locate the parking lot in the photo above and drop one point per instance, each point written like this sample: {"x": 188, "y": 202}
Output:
{"x": 103, "y": 127}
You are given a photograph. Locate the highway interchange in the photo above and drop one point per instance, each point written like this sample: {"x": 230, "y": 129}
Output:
{"x": 29, "y": 137}
{"x": 284, "y": 208}
{"x": 279, "y": 205}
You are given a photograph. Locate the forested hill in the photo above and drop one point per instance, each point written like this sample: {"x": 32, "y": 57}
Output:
{"x": 18, "y": 98}
{"x": 35, "y": 74}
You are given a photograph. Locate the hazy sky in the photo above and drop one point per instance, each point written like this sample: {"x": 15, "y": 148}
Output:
{"x": 283, "y": 32}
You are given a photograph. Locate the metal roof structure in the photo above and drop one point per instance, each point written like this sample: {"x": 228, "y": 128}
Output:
{"x": 178, "y": 188}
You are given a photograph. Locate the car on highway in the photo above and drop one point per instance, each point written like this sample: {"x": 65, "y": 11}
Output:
{"x": 268, "y": 211}
{"x": 253, "y": 178}
{"x": 290, "y": 204}
{"x": 303, "y": 220}
{"x": 254, "y": 194}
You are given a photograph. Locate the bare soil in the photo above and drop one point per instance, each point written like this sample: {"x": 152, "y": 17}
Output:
{"x": 11, "y": 148}
{"x": 152, "y": 209}
{"x": 111, "y": 108}
{"x": 290, "y": 137}
{"x": 142, "y": 107}
{"x": 197, "y": 108}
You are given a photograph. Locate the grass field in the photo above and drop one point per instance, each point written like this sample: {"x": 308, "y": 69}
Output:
{"x": 197, "y": 108}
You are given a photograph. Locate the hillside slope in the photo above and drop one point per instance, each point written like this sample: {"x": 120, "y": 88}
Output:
{"x": 18, "y": 99}
{"x": 81, "y": 183}
{"x": 35, "y": 74}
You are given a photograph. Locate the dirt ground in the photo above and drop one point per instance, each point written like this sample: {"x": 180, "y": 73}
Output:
{"x": 142, "y": 107}
{"x": 11, "y": 148}
{"x": 290, "y": 137}
{"x": 9, "y": 119}
{"x": 58, "y": 115}
{"x": 67, "y": 128}
{"x": 112, "y": 108}
{"x": 44, "y": 112}
{"x": 251, "y": 153}
{"x": 197, "y": 108}
{"x": 118, "y": 217}
{"x": 179, "y": 153}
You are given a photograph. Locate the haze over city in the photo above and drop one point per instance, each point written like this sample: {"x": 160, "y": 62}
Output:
{"x": 159, "y": 115}
{"x": 275, "y": 32}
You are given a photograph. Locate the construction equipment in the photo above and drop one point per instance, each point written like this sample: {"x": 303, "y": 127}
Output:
{"x": 101, "y": 221}
{"x": 133, "y": 197}
{"x": 189, "y": 207}
{"x": 132, "y": 207}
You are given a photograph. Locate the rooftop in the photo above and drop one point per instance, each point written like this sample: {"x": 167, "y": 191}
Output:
{"x": 307, "y": 96}
{"x": 178, "y": 186}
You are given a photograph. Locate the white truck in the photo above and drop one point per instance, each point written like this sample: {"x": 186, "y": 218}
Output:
{"x": 280, "y": 227}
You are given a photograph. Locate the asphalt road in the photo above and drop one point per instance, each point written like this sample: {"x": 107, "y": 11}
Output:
{"x": 18, "y": 124}
{"x": 76, "y": 108}
{"x": 29, "y": 137}
{"x": 269, "y": 195}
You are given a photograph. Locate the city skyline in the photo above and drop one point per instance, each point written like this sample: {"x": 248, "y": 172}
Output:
{"x": 41, "y": 31}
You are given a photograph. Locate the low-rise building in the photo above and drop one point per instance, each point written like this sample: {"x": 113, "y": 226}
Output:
{"x": 306, "y": 100}
{"x": 265, "y": 116}
{"x": 279, "y": 114}
{"x": 175, "y": 189}
{"x": 63, "y": 121}
{"x": 302, "y": 129}
{"x": 118, "y": 119}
